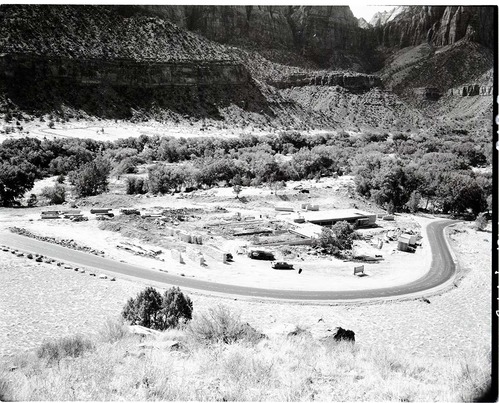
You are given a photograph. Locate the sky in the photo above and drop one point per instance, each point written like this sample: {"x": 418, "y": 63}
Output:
{"x": 367, "y": 12}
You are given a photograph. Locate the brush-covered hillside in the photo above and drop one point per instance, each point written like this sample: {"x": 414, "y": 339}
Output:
{"x": 93, "y": 32}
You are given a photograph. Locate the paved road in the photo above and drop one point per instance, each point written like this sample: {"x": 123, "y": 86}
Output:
{"x": 442, "y": 269}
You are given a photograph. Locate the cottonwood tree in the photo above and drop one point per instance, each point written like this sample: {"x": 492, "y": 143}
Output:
{"x": 16, "y": 178}
{"x": 55, "y": 194}
{"x": 92, "y": 178}
{"x": 338, "y": 238}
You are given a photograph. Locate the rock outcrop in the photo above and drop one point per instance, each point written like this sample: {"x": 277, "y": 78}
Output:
{"x": 429, "y": 93}
{"x": 350, "y": 81}
{"x": 326, "y": 35}
{"x": 439, "y": 26}
{"x": 471, "y": 90}
{"x": 382, "y": 17}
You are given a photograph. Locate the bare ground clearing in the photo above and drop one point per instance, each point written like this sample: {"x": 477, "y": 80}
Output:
{"x": 318, "y": 273}
{"x": 110, "y": 130}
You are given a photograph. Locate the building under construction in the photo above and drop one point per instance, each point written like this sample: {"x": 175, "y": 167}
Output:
{"x": 327, "y": 218}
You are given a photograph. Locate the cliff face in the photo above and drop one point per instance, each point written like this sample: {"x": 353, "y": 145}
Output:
{"x": 439, "y": 26}
{"x": 354, "y": 83}
{"x": 92, "y": 59}
{"x": 108, "y": 60}
{"x": 112, "y": 88}
{"x": 328, "y": 36}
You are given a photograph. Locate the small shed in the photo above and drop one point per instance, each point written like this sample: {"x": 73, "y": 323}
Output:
{"x": 406, "y": 242}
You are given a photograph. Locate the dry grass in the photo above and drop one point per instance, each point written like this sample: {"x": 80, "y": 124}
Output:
{"x": 70, "y": 346}
{"x": 279, "y": 369}
{"x": 220, "y": 325}
{"x": 113, "y": 330}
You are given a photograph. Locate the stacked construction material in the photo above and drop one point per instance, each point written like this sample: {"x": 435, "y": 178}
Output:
{"x": 50, "y": 214}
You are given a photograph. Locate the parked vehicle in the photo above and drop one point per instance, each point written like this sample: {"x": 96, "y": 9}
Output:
{"x": 281, "y": 266}
{"x": 260, "y": 255}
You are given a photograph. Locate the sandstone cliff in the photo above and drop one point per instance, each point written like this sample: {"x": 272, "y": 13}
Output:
{"x": 328, "y": 36}
{"x": 106, "y": 64}
{"x": 438, "y": 26}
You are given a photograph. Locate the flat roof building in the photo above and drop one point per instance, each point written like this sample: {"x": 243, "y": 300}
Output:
{"x": 330, "y": 217}
{"x": 309, "y": 223}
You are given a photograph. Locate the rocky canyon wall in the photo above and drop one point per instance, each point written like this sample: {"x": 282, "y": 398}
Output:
{"x": 439, "y": 26}
{"x": 326, "y": 35}
{"x": 113, "y": 88}
{"x": 351, "y": 81}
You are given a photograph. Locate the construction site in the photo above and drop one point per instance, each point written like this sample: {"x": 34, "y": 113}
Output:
{"x": 220, "y": 242}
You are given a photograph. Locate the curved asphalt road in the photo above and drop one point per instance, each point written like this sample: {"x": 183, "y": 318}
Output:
{"x": 442, "y": 269}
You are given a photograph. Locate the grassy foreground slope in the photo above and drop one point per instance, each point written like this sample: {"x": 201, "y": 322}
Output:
{"x": 283, "y": 368}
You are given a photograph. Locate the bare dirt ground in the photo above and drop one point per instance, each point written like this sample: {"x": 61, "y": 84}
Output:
{"x": 110, "y": 130}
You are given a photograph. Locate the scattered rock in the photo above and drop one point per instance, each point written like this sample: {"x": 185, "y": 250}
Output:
{"x": 63, "y": 242}
{"x": 144, "y": 331}
{"x": 171, "y": 345}
{"x": 340, "y": 334}
{"x": 325, "y": 333}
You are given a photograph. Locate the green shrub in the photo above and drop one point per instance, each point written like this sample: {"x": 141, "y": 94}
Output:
{"x": 71, "y": 346}
{"x": 219, "y": 325}
{"x": 135, "y": 185}
{"x": 150, "y": 309}
{"x": 175, "y": 309}
{"x": 55, "y": 194}
{"x": 480, "y": 222}
{"x": 143, "y": 310}
{"x": 33, "y": 200}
